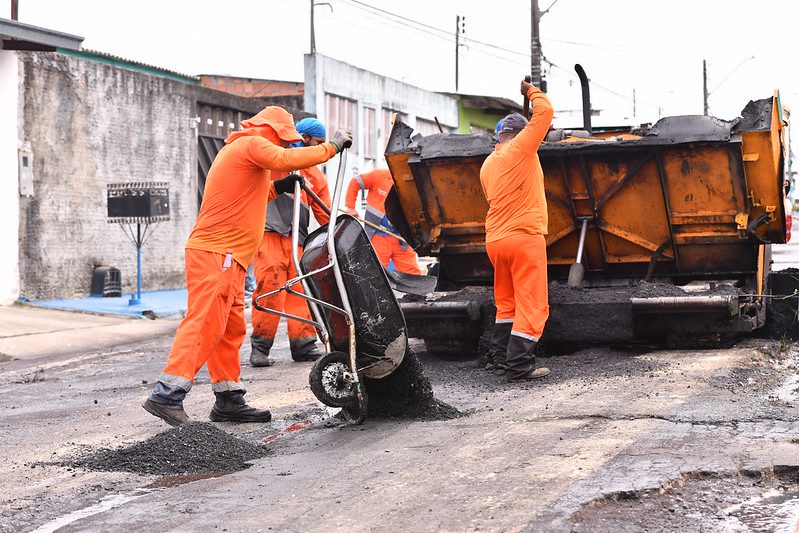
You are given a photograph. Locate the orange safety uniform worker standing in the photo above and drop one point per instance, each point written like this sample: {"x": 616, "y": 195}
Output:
{"x": 378, "y": 183}
{"x": 274, "y": 264}
{"x": 513, "y": 184}
{"x": 226, "y": 234}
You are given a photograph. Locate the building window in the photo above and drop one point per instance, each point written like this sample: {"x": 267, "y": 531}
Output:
{"x": 387, "y": 113}
{"x": 342, "y": 114}
{"x": 369, "y": 133}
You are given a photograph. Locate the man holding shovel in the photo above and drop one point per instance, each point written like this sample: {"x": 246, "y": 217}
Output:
{"x": 513, "y": 184}
{"x": 377, "y": 183}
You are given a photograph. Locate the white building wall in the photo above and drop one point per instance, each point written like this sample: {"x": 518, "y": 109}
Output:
{"x": 9, "y": 177}
{"x": 324, "y": 75}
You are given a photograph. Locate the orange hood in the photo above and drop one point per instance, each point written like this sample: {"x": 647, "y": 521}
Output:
{"x": 273, "y": 118}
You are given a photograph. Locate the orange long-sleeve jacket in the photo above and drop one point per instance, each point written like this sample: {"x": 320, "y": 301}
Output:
{"x": 513, "y": 181}
{"x": 239, "y": 185}
{"x": 378, "y": 183}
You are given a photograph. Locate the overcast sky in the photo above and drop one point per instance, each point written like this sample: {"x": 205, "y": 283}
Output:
{"x": 655, "y": 47}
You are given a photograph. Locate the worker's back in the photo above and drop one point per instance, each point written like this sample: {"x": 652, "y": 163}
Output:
{"x": 233, "y": 209}
{"x": 513, "y": 181}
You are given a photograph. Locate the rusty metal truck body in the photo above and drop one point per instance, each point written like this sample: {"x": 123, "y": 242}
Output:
{"x": 690, "y": 198}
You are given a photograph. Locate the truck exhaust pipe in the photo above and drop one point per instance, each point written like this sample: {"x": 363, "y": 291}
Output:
{"x": 586, "y": 97}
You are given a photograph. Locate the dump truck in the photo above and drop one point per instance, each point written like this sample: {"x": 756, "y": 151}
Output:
{"x": 672, "y": 225}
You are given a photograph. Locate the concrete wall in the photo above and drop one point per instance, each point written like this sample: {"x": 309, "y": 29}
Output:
{"x": 9, "y": 177}
{"x": 324, "y": 75}
{"x": 88, "y": 125}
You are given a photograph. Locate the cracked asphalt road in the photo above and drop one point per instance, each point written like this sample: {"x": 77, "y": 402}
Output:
{"x": 528, "y": 457}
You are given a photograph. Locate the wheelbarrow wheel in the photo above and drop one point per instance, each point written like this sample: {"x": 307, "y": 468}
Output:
{"x": 331, "y": 380}
{"x": 355, "y": 412}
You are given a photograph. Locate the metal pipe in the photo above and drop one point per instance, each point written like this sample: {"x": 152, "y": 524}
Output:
{"x": 725, "y": 304}
{"x": 581, "y": 245}
{"x": 441, "y": 310}
{"x": 586, "y": 97}
{"x": 295, "y": 257}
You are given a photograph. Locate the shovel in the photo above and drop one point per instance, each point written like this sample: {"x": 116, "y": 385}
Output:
{"x": 577, "y": 270}
{"x": 399, "y": 281}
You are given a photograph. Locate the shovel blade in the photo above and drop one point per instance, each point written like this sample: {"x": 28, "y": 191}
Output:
{"x": 411, "y": 283}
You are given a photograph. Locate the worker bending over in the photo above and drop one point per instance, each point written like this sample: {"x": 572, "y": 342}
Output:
{"x": 226, "y": 234}
{"x": 378, "y": 183}
{"x": 513, "y": 184}
{"x": 274, "y": 264}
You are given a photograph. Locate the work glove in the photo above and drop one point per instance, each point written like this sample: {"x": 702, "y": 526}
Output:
{"x": 525, "y": 86}
{"x": 287, "y": 184}
{"x": 341, "y": 139}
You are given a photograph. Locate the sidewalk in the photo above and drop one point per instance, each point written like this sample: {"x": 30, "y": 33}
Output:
{"x": 29, "y": 333}
{"x": 154, "y": 304}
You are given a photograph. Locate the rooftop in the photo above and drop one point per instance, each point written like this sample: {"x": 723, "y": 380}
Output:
{"x": 15, "y": 35}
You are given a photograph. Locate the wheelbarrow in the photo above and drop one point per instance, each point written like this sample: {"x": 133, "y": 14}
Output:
{"x": 354, "y": 309}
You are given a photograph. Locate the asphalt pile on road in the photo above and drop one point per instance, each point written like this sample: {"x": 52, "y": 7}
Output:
{"x": 194, "y": 448}
{"x": 406, "y": 393}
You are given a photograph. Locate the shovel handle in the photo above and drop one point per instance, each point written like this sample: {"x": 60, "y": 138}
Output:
{"x": 326, "y": 209}
{"x": 528, "y": 79}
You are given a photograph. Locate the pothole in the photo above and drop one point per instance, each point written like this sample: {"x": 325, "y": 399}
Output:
{"x": 766, "y": 501}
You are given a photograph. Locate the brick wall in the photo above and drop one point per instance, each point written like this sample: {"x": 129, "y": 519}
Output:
{"x": 91, "y": 124}
{"x": 250, "y": 87}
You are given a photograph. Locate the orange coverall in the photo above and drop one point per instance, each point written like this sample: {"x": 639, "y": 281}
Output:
{"x": 379, "y": 182}
{"x": 226, "y": 234}
{"x": 513, "y": 184}
{"x": 274, "y": 265}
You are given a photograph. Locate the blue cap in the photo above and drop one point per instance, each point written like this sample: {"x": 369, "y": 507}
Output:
{"x": 499, "y": 126}
{"x": 311, "y": 126}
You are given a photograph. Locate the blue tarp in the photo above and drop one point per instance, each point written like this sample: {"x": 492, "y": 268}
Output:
{"x": 153, "y": 304}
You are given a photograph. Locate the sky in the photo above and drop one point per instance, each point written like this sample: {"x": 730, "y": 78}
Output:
{"x": 653, "y": 48}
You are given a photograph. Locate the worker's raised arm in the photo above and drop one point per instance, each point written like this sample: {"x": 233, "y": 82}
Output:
{"x": 266, "y": 155}
{"x": 533, "y": 134}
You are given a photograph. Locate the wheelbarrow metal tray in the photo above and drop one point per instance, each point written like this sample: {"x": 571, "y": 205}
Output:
{"x": 380, "y": 330}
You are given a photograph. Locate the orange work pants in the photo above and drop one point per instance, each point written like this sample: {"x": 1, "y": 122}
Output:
{"x": 520, "y": 283}
{"x": 214, "y": 327}
{"x": 273, "y": 266}
{"x": 389, "y": 248}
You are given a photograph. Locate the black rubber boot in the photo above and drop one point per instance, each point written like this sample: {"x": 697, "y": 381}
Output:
{"x": 230, "y": 406}
{"x": 259, "y": 356}
{"x": 174, "y": 415}
{"x": 499, "y": 346}
{"x": 305, "y": 349}
{"x": 521, "y": 360}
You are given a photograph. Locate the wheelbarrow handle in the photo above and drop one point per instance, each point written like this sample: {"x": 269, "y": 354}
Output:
{"x": 326, "y": 209}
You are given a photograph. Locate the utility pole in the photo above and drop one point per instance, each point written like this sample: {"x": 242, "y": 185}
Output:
{"x": 14, "y": 9}
{"x": 634, "y": 113}
{"x": 313, "y": 30}
{"x": 535, "y": 47}
{"x": 460, "y": 27}
{"x": 314, "y": 3}
{"x": 704, "y": 85}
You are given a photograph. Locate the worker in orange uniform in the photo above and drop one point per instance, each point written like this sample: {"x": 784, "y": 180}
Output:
{"x": 226, "y": 234}
{"x": 378, "y": 183}
{"x": 274, "y": 264}
{"x": 513, "y": 184}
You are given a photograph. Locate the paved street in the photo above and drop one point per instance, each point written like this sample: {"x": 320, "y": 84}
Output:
{"x": 525, "y": 457}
